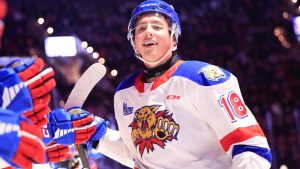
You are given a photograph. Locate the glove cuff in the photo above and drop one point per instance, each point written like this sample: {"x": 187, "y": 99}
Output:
{"x": 95, "y": 144}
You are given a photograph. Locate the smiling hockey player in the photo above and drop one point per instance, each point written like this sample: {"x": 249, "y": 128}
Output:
{"x": 175, "y": 113}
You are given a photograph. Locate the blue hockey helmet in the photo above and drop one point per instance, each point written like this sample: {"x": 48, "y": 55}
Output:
{"x": 155, "y": 6}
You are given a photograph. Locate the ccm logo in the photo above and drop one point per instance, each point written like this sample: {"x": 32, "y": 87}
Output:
{"x": 173, "y": 97}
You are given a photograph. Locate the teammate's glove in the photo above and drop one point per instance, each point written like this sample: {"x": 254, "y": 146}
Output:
{"x": 25, "y": 89}
{"x": 100, "y": 131}
{"x": 66, "y": 128}
{"x": 58, "y": 152}
{"x": 20, "y": 140}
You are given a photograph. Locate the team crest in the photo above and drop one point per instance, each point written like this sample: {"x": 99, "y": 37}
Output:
{"x": 213, "y": 73}
{"x": 151, "y": 126}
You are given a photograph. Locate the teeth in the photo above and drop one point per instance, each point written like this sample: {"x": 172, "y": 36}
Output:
{"x": 149, "y": 43}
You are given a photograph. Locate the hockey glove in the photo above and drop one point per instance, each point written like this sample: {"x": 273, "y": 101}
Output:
{"x": 57, "y": 152}
{"x": 100, "y": 131}
{"x": 65, "y": 128}
{"x": 20, "y": 140}
{"x": 25, "y": 89}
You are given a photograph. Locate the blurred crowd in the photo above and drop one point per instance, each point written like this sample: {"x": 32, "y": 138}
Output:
{"x": 237, "y": 35}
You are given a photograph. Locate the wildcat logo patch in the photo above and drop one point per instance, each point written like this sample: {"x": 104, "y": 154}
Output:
{"x": 151, "y": 126}
{"x": 213, "y": 73}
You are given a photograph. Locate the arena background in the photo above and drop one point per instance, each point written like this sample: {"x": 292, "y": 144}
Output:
{"x": 255, "y": 40}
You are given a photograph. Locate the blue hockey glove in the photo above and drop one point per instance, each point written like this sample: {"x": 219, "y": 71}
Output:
{"x": 25, "y": 89}
{"x": 100, "y": 131}
{"x": 20, "y": 140}
{"x": 15, "y": 95}
{"x": 66, "y": 128}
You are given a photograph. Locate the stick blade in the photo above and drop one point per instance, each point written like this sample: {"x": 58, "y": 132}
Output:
{"x": 85, "y": 85}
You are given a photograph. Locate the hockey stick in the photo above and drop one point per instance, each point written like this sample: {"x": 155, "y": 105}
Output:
{"x": 79, "y": 94}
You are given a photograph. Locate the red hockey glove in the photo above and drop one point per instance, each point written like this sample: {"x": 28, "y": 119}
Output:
{"x": 20, "y": 140}
{"x": 31, "y": 148}
{"x": 57, "y": 152}
{"x": 39, "y": 83}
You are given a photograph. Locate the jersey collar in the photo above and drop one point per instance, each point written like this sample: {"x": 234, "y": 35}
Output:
{"x": 139, "y": 85}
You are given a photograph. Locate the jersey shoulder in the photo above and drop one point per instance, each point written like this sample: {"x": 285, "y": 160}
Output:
{"x": 202, "y": 73}
{"x": 128, "y": 82}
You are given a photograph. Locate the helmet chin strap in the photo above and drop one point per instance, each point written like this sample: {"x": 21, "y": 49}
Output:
{"x": 161, "y": 60}
{"x": 152, "y": 64}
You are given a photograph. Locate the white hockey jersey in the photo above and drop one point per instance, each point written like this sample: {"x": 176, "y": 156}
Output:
{"x": 193, "y": 116}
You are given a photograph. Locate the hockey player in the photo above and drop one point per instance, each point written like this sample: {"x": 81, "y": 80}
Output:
{"x": 175, "y": 113}
{"x": 25, "y": 91}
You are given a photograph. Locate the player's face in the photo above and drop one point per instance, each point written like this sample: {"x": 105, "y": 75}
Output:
{"x": 152, "y": 37}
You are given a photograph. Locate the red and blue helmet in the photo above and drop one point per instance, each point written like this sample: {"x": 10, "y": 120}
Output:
{"x": 155, "y": 6}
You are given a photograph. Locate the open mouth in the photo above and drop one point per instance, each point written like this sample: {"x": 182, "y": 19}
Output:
{"x": 144, "y": 126}
{"x": 147, "y": 44}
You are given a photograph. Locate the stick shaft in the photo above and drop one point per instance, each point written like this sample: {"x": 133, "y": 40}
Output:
{"x": 80, "y": 93}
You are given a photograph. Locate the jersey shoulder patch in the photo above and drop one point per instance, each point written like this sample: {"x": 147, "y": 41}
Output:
{"x": 202, "y": 73}
{"x": 128, "y": 82}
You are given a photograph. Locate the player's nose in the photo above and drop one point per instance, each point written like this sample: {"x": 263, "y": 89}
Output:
{"x": 148, "y": 32}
